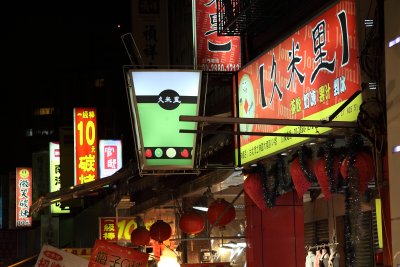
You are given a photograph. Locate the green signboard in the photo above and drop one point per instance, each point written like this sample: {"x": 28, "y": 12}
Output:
{"x": 158, "y": 98}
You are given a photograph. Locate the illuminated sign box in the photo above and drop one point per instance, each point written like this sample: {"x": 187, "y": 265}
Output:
{"x": 85, "y": 145}
{"x": 55, "y": 181}
{"x": 110, "y": 157}
{"x": 23, "y": 196}
{"x": 307, "y": 76}
{"x": 158, "y": 98}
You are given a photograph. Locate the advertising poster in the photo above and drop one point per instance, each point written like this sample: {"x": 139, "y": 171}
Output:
{"x": 85, "y": 145}
{"x": 110, "y": 157}
{"x": 51, "y": 256}
{"x": 307, "y": 76}
{"x": 214, "y": 53}
{"x": 109, "y": 254}
{"x": 23, "y": 196}
{"x": 159, "y": 97}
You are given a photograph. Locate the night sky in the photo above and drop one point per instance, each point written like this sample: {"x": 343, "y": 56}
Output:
{"x": 41, "y": 41}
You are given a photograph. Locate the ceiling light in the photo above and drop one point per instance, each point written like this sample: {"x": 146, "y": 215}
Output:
{"x": 204, "y": 201}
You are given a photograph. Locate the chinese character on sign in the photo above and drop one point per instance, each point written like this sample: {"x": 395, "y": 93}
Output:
{"x": 214, "y": 47}
{"x": 57, "y": 174}
{"x": 306, "y": 99}
{"x": 150, "y": 37}
{"x": 86, "y": 163}
{"x": 339, "y": 85}
{"x": 292, "y": 65}
{"x": 273, "y": 77}
{"x": 101, "y": 258}
{"x": 319, "y": 40}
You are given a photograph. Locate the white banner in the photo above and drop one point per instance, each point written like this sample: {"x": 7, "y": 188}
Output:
{"x": 51, "y": 256}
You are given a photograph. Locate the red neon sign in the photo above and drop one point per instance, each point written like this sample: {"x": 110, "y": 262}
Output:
{"x": 85, "y": 145}
{"x": 214, "y": 53}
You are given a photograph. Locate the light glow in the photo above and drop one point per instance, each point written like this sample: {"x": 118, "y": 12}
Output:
{"x": 394, "y": 41}
{"x": 168, "y": 259}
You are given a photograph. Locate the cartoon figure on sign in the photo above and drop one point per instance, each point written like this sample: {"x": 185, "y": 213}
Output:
{"x": 246, "y": 103}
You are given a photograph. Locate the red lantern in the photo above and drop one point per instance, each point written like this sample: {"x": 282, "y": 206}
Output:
{"x": 365, "y": 167}
{"x": 253, "y": 188}
{"x": 191, "y": 223}
{"x": 140, "y": 236}
{"x": 220, "y": 208}
{"x": 322, "y": 177}
{"x": 160, "y": 231}
{"x": 299, "y": 179}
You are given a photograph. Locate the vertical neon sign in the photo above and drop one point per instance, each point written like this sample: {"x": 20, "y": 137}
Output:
{"x": 23, "y": 196}
{"x": 85, "y": 145}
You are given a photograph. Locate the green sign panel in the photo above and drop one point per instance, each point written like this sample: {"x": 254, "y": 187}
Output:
{"x": 158, "y": 98}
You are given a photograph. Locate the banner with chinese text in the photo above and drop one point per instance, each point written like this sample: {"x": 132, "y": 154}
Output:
{"x": 109, "y": 254}
{"x": 112, "y": 231}
{"x": 55, "y": 181}
{"x": 159, "y": 97}
{"x": 307, "y": 76}
{"x": 23, "y": 196}
{"x": 214, "y": 53}
{"x": 85, "y": 145}
{"x": 51, "y": 256}
{"x": 110, "y": 157}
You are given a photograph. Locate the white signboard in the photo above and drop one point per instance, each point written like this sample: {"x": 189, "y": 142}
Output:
{"x": 110, "y": 154}
{"x": 51, "y": 256}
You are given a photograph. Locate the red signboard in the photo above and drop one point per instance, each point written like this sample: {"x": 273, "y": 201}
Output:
{"x": 108, "y": 229}
{"x": 23, "y": 196}
{"x": 110, "y": 157}
{"x": 112, "y": 231}
{"x": 307, "y": 76}
{"x": 85, "y": 144}
{"x": 214, "y": 53}
{"x": 109, "y": 254}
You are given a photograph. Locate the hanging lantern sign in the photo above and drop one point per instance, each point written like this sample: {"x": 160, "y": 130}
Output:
{"x": 160, "y": 231}
{"x": 140, "y": 236}
{"x": 220, "y": 212}
{"x": 191, "y": 223}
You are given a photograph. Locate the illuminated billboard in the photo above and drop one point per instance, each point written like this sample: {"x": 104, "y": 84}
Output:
{"x": 23, "y": 196}
{"x": 158, "y": 98}
{"x": 110, "y": 157}
{"x": 213, "y": 52}
{"x": 307, "y": 76}
{"x": 85, "y": 145}
{"x": 55, "y": 181}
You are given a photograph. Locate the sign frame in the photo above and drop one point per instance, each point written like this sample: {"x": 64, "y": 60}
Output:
{"x": 169, "y": 77}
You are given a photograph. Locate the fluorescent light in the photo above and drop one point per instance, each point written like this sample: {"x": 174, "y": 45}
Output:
{"x": 369, "y": 22}
{"x": 200, "y": 208}
{"x": 394, "y": 41}
{"x": 396, "y": 149}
